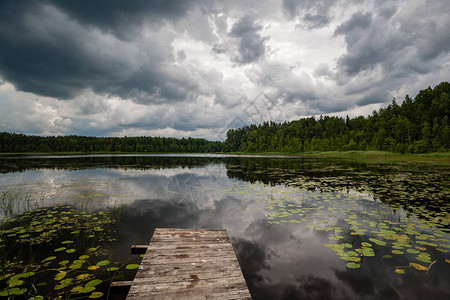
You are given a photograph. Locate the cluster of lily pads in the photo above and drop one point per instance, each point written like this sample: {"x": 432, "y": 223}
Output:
{"x": 58, "y": 252}
{"x": 357, "y": 225}
{"x": 422, "y": 189}
{"x": 424, "y": 194}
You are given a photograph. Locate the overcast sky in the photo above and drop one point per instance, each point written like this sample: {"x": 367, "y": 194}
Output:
{"x": 196, "y": 68}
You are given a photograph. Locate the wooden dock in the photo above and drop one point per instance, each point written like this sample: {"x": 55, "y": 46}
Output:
{"x": 189, "y": 264}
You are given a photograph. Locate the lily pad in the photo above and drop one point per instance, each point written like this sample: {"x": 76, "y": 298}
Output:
{"x": 423, "y": 258}
{"x": 64, "y": 262}
{"x": 418, "y": 266}
{"x": 132, "y": 266}
{"x": 49, "y": 258}
{"x": 103, "y": 263}
{"x": 94, "y": 282}
{"x": 347, "y": 245}
{"x": 413, "y": 251}
{"x": 60, "y": 275}
{"x": 378, "y": 242}
{"x": 13, "y": 291}
{"x": 82, "y": 290}
{"x": 352, "y": 265}
{"x": 96, "y": 295}
{"x": 83, "y": 276}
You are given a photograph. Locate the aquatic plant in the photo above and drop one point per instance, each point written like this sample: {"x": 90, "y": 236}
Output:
{"x": 13, "y": 202}
{"x": 357, "y": 225}
{"x": 58, "y": 252}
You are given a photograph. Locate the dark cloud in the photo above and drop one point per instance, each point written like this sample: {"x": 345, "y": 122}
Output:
{"x": 323, "y": 70}
{"x": 387, "y": 12}
{"x": 314, "y": 14}
{"x": 58, "y": 51}
{"x": 251, "y": 45}
{"x": 218, "y": 48}
{"x": 356, "y": 22}
{"x": 115, "y": 15}
{"x": 388, "y": 47}
{"x": 181, "y": 55}
{"x": 317, "y": 20}
{"x": 395, "y": 42}
{"x": 364, "y": 50}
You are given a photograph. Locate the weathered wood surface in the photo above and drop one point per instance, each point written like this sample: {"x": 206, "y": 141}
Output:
{"x": 189, "y": 264}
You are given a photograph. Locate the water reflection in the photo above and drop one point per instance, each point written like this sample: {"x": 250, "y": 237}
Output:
{"x": 279, "y": 212}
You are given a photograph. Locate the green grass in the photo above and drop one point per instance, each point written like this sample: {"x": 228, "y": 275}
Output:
{"x": 384, "y": 154}
{"x": 435, "y": 156}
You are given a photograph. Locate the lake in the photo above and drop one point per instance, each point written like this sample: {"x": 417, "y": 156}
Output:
{"x": 302, "y": 227}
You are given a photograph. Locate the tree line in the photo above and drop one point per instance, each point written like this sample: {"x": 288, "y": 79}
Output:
{"x": 12, "y": 142}
{"x": 417, "y": 125}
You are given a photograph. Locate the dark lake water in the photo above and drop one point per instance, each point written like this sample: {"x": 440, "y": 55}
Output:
{"x": 302, "y": 227}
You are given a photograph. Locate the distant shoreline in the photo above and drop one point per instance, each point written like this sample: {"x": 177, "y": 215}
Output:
{"x": 434, "y": 156}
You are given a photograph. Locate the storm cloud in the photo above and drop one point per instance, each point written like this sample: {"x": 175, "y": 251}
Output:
{"x": 57, "y": 53}
{"x": 314, "y": 14}
{"x": 190, "y": 68}
{"x": 251, "y": 44}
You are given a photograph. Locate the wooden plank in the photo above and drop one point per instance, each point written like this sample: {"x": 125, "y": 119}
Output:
{"x": 189, "y": 289}
{"x": 188, "y": 264}
{"x": 179, "y": 232}
{"x": 169, "y": 295}
{"x": 200, "y": 239}
{"x": 214, "y": 262}
{"x": 186, "y": 268}
{"x": 177, "y": 237}
{"x": 189, "y": 254}
{"x": 170, "y": 234}
{"x": 189, "y": 234}
{"x": 158, "y": 246}
{"x": 164, "y": 245}
{"x": 150, "y": 278}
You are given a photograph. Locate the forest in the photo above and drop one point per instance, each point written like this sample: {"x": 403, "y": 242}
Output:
{"x": 10, "y": 142}
{"x": 418, "y": 125}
